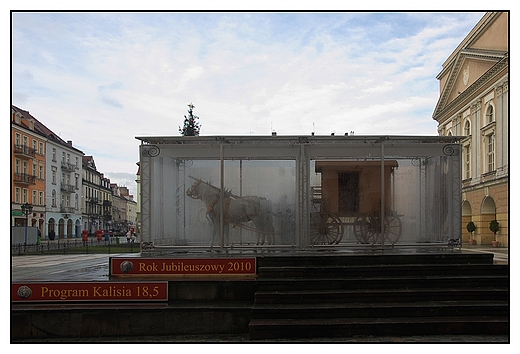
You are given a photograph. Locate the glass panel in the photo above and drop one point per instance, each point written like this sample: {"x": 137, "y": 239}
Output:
{"x": 258, "y": 205}
{"x": 348, "y": 208}
{"x": 346, "y": 201}
{"x": 441, "y": 205}
{"x": 261, "y": 207}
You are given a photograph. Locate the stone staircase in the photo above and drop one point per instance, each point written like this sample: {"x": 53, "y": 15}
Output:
{"x": 380, "y": 295}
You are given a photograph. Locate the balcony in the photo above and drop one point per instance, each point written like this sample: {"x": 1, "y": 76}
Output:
{"x": 24, "y": 150}
{"x": 67, "y": 188}
{"x": 68, "y": 167}
{"x": 67, "y": 210}
{"x": 24, "y": 178}
{"x": 93, "y": 201}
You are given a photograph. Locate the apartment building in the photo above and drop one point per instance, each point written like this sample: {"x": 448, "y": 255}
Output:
{"x": 27, "y": 170}
{"x": 474, "y": 104}
{"x": 97, "y": 198}
{"x": 64, "y": 170}
{"x": 61, "y": 187}
{"x": 124, "y": 211}
{"x": 47, "y": 175}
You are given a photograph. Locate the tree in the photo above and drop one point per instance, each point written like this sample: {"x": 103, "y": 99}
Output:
{"x": 494, "y": 226}
{"x": 471, "y": 227}
{"x": 191, "y": 126}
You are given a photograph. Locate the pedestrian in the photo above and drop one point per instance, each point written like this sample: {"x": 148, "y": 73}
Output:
{"x": 99, "y": 235}
{"x": 84, "y": 236}
{"x": 133, "y": 238}
{"x": 128, "y": 237}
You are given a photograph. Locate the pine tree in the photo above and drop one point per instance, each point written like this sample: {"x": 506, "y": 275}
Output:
{"x": 191, "y": 126}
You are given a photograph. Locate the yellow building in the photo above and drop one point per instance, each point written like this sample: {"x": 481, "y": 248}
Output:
{"x": 28, "y": 170}
{"x": 474, "y": 104}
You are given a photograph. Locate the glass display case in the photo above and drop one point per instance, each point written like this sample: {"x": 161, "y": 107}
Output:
{"x": 298, "y": 192}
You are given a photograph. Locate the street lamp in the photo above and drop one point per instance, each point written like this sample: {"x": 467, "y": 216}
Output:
{"x": 26, "y": 210}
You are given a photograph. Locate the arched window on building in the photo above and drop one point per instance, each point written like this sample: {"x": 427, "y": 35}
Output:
{"x": 490, "y": 114}
{"x": 467, "y": 128}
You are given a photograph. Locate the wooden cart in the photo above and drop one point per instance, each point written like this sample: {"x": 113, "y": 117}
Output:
{"x": 350, "y": 194}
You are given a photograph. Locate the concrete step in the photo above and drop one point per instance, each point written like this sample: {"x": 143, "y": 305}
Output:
{"x": 424, "y": 309}
{"x": 411, "y": 282}
{"x": 367, "y": 259}
{"x": 312, "y": 328}
{"x": 393, "y": 270}
{"x": 378, "y": 295}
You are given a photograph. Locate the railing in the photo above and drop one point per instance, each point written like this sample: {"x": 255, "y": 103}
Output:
{"x": 68, "y": 210}
{"x": 69, "y": 188}
{"x": 66, "y": 166}
{"x": 76, "y": 246}
{"x": 24, "y": 150}
{"x": 24, "y": 178}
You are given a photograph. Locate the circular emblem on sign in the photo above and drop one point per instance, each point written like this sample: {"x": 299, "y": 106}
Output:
{"x": 24, "y": 292}
{"x": 151, "y": 151}
{"x": 126, "y": 266}
{"x": 465, "y": 76}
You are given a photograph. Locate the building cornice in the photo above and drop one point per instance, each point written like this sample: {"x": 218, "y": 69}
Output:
{"x": 487, "y": 77}
{"x": 472, "y": 36}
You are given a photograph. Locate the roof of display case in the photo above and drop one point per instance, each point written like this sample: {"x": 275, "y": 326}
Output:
{"x": 299, "y": 139}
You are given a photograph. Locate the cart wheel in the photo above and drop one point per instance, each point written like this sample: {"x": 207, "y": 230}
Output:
{"x": 367, "y": 228}
{"x": 392, "y": 228}
{"x": 325, "y": 229}
{"x": 363, "y": 228}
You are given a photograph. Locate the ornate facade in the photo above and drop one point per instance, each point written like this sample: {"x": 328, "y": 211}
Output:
{"x": 474, "y": 104}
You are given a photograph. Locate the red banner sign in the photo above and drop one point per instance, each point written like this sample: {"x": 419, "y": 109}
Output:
{"x": 182, "y": 266}
{"x": 89, "y": 291}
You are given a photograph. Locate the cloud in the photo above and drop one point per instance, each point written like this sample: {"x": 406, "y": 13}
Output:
{"x": 188, "y": 75}
{"x": 105, "y": 97}
{"x": 25, "y": 75}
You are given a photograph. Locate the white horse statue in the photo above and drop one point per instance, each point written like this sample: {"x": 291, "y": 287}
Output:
{"x": 237, "y": 210}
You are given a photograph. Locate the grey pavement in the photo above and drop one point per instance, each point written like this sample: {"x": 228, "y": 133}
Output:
{"x": 73, "y": 267}
{"x": 501, "y": 254}
{"x": 95, "y": 267}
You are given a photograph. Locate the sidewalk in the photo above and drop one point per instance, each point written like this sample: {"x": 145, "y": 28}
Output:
{"x": 501, "y": 254}
{"x": 70, "y": 267}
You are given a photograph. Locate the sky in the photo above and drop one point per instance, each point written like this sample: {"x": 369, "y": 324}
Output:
{"x": 101, "y": 79}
